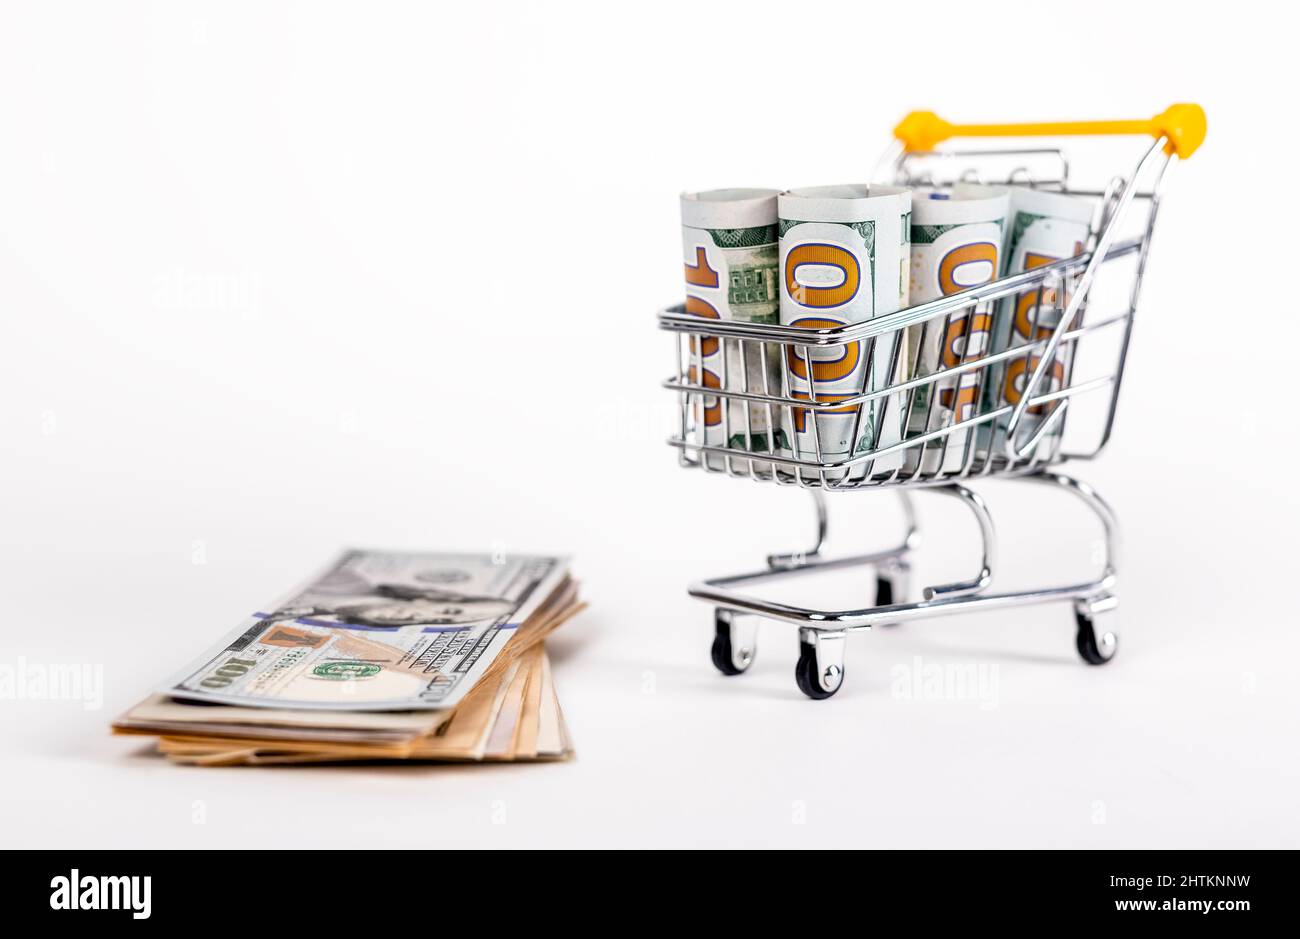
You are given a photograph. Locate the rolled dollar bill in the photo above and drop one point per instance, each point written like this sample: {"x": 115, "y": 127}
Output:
{"x": 1042, "y": 227}
{"x": 957, "y": 239}
{"x": 729, "y": 244}
{"x": 844, "y": 260}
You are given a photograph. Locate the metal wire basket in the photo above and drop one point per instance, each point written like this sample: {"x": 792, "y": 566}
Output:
{"x": 1008, "y": 402}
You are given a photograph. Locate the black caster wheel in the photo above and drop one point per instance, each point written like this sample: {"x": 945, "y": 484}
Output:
{"x": 1093, "y": 649}
{"x": 893, "y": 584}
{"x": 808, "y": 678}
{"x": 723, "y": 655}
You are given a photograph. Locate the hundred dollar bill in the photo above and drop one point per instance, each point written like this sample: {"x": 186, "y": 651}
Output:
{"x": 729, "y": 249}
{"x": 956, "y": 244}
{"x": 844, "y": 259}
{"x": 1042, "y": 227}
{"x": 513, "y": 716}
{"x": 377, "y": 631}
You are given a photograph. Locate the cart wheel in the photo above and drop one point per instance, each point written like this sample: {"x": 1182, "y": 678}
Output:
{"x": 884, "y": 592}
{"x": 1093, "y": 649}
{"x": 733, "y": 645}
{"x": 810, "y": 676}
{"x": 893, "y": 584}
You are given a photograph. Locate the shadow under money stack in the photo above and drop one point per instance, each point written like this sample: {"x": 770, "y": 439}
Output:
{"x": 384, "y": 656}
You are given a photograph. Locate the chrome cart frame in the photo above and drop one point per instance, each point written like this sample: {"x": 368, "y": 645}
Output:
{"x": 997, "y": 440}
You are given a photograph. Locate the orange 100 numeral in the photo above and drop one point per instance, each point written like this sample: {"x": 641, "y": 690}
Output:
{"x": 712, "y": 412}
{"x": 960, "y": 400}
{"x": 822, "y": 255}
{"x": 824, "y": 370}
{"x": 980, "y": 252}
{"x": 1018, "y": 373}
{"x": 697, "y": 307}
{"x": 700, "y": 274}
{"x": 801, "y": 414}
{"x": 1027, "y": 303}
{"x": 966, "y": 339}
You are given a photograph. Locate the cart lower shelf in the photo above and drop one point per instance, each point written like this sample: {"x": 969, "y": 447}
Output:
{"x": 819, "y": 671}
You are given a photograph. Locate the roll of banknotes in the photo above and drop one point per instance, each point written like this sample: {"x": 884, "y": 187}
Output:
{"x": 957, "y": 237}
{"x": 729, "y": 243}
{"x": 1042, "y": 227}
{"x": 844, "y": 259}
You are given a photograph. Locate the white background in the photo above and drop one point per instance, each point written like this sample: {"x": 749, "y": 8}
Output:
{"x": 277, "y": 279}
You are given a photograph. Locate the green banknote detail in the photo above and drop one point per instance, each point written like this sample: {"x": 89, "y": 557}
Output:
{"x": 1019, "y": 226}
{"x": 752, "y": 282}
{"x": 346, "y": 671}
{"x": 758, "y": 443}
{"x": 866, "y": 229}
{"x": 743, "y": 237}
{"x": 868, "y": 232}
{"x": 920, "y": 405}
{"x": 929, "y": 234}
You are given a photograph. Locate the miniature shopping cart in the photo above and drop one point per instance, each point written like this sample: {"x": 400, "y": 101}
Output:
{"x": 1071, "y": 363}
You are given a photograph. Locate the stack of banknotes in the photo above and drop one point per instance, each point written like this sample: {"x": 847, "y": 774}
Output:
{"x": 828, "y": 256}
{"x": 383, "y": 656}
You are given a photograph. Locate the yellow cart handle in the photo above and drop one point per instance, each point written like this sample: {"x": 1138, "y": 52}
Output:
{"x": 1183, "y": 125}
